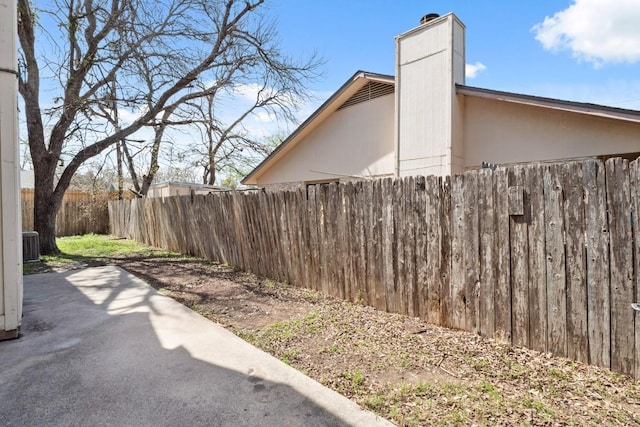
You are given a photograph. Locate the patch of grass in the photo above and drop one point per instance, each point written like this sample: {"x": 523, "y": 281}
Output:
{"x": 404, "y": 390}
{"x": 487, "y": 387}
{"x": 453, "y": 389}
{"x": 514, "y": 370}
{"x": 478, "y": 363}
{"x": 376, "y": 402}
{"x": 92, "y": 248}
{"x": 291, "y": 328}
{"x": 310, "y": 295}
{"x": 270, "y": 284}
{"x": 289, "y": 355}
{"x": 423, "y": 388}
{"x": 558, "y": 373}
{"x": 456, "y": 418}
{"x": 247, "y": 335}
{"x": 538, "y": 406}
{"x": 355, "y": 380}
{"x": 101, "y": 246}
{"x": 356, "y": 376}
{"x": 334, "y": 348}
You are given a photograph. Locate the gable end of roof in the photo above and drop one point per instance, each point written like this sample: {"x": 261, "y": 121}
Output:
{"x": 371, "y": 90}
{"x": 330, "y": 105}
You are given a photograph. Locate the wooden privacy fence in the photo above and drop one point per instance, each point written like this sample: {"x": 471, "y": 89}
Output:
{"x": 74, "y": 217}
{"x": 543, "y": 254}
{"x": 81, "y": 212}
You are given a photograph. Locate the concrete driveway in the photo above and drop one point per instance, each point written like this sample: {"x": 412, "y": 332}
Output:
{"x": 101, "y": 347}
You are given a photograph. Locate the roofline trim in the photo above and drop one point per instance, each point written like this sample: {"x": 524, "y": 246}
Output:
{"x": 382, "y": 78}
{"x": 558, "y": 104}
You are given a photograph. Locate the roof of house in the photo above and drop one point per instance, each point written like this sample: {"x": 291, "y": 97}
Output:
{"x": 556, "y": 104}
{"x": 348, "y": 94}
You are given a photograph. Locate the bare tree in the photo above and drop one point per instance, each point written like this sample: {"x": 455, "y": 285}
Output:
{"x": 102, "y": 43}
{"x": 228, "y": 144}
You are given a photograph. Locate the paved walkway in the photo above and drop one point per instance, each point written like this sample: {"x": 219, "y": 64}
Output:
{"x": 101, "y": 347}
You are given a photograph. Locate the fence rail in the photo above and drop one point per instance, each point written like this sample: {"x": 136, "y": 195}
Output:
{"x": 543, "y": 254}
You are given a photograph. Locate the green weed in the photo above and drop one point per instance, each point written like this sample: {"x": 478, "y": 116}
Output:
{"x": 355, "y": 378}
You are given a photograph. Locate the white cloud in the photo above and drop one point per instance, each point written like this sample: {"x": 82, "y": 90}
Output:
{"x": 127, "y": 116}
{"x": 471, "y": 70}
{"x": 596, "y": 31}
{"x": 248, "y": 91}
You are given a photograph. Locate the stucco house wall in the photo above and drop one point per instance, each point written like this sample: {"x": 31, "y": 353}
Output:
{"x": 354, "y": 142}
{"x": 504, "y": 132}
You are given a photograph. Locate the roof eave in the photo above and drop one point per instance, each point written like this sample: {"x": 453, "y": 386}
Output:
{"x": 557, "y": 104}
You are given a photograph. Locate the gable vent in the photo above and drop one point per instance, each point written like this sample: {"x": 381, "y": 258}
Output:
{"x": 368, "y": 92}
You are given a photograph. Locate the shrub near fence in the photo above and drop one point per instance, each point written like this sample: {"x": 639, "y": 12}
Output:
{"x": 542, "y": 254}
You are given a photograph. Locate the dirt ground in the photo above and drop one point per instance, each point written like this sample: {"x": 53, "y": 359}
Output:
{"x": 406, "y": 370}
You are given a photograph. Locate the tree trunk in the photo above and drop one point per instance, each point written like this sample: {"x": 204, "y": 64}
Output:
{"x": 120, "y": 177}
{"x": 131, "y": 167}
{"x": 45, "y": 225}
{"x": 46, "y": 206}
{"x": 212, "y": 163}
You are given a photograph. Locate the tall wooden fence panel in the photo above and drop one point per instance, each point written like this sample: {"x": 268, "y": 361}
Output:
{"x": 542, "y": 255}
{"x": 74, "y": 217}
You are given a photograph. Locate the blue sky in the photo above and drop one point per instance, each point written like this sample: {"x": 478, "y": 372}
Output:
{"x": 578, "y": 50}
{"x": 586, "y": 50}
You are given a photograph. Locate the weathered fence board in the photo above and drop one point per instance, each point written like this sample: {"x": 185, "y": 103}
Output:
{"x": 470, "y": 253}
{"x": 388, "y": 238}
{"x": 597, "y": 271}
{"x": 487, "y": 254}
{"x": 429, "y": 269}
{"x": 575, "y": 273}
{"x": 543, "y": 256}
{"x": 445, "y": 250}
{"x": 503, "y": 302}
{"x": 457, "y": 289}
{"x": 537, "y": 292}
{"x": 556, "y": 300}
{"x": 621, "y": 270}
{"x": 519, "y": 257}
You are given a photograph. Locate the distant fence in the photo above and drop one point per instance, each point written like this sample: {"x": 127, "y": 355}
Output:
{"x": 80, "y": 213}
{"x": 543, "y": 255}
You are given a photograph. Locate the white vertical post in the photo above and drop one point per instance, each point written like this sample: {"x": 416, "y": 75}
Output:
{"x": 10, "y": 212}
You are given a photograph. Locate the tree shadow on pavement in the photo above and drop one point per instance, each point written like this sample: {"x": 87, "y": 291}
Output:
{"x": 103, "y": 348}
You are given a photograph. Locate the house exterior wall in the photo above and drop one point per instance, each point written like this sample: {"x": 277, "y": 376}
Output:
{"x": 356, "y": 141}
{"x": 429, "y": 62}
{"x": 10, "y": 217}
{"x": 179, "y": 189}
{"x": 504, "y": 132}
{"x": 167, "y": 190}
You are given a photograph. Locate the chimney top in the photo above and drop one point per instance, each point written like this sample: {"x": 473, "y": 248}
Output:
{"x": 428, "y": 17}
